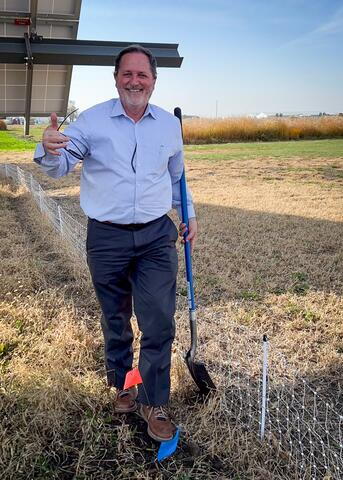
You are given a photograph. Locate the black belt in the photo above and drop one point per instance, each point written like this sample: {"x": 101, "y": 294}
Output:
{"x": 130, "y": 226}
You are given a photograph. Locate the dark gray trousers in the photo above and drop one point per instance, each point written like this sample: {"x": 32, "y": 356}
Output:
{"x": 139, "y": 263}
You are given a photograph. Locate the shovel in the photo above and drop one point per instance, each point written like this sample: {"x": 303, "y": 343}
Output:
{"x": 196, "y": 369}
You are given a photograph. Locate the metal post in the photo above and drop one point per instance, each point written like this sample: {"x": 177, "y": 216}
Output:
{"x": 60, "y": 219}
{"x": 40, "y": 198}
{"x": 19, "y": 180}
{"x": 25, "y": 55}
{"x": 264, "y": 385}
{"x": 33, "y": 17}
{"x": 29, "y": 76}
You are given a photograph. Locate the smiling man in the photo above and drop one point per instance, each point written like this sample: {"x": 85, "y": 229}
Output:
{"x": 132, "y": 164}
{"x": 135, "y": 82}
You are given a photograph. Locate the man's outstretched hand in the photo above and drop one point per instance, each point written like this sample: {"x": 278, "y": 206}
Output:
{"x": 192, "y": 232}
{"x": 52, "y": 138}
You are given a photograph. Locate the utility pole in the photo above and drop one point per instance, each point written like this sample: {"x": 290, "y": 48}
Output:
{"x": 216, "y": 108}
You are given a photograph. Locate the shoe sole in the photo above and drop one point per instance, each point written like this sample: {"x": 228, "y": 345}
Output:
{"x": 158, "y": 439}
{"x": 150, "y": 433}
{"x": 126, "y": 410}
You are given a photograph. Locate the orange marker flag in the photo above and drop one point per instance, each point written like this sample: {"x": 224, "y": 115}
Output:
{"x": 133, "y": 377}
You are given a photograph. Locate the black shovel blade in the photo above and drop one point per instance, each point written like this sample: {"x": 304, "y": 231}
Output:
{"x": 200, "y": 375}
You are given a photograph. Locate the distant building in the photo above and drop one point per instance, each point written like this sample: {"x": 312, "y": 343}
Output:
{"x": 258, "y": 115}
{"x": 262, "y": 115}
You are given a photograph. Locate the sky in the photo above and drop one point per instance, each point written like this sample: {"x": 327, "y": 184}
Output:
{"x": 240, "y": 57}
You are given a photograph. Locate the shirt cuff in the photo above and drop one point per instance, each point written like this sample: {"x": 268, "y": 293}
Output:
{"x": 191, "y": 212}
{"x": 39, "y": 153}
{"x": 45, "y": 159}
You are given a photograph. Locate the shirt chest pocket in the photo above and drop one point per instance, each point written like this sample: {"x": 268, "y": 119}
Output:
{"x": 154, "y": 158}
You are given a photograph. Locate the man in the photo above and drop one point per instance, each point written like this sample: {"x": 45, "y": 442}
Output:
{"x": 132, "y": 163}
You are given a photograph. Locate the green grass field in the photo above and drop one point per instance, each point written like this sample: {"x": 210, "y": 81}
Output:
{"x": 13, "y": 140}
{"x": 11, "y": 143}
{"x": 245, "y": 151}
{"x": 36, "y": 132}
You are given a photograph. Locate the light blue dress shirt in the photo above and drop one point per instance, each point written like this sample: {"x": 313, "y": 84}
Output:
{"x": 131, "y": 171}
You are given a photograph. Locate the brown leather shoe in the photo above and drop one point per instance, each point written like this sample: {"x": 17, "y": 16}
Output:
{"x": 125, "y": 401}
{"x": 160, "y": 427}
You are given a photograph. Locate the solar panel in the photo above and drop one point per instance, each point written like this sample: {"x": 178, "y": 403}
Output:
{"x": 50, "y": 83}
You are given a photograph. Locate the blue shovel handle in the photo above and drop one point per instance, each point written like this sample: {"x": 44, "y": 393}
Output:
{"x": 188, "y": 260}
{"x": 188, "y": 257}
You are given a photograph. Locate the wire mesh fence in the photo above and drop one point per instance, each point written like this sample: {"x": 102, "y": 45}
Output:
{"x": 299, "y": 425}
{"x": 71, "y": 230}
{"x": 306, "y": 430}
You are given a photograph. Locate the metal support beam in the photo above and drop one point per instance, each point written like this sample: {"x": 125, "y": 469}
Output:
{"x": 33, "y": 26}
{"x": 81, "y": 52}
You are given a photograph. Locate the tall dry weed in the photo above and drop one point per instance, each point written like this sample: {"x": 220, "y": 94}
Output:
{"x": 246, "y": 129}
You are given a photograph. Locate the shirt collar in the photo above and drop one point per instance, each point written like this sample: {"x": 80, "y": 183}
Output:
{"x": 118, "y": 110}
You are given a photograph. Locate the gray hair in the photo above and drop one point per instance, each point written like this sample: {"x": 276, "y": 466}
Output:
{"x": 136, "y": 49}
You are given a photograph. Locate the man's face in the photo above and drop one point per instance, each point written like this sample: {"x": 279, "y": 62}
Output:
{"x": 134, "y": 80}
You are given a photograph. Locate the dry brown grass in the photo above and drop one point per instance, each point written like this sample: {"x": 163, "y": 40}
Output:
{"x": 245, "y": 129}
{"x": 269, "y": 257}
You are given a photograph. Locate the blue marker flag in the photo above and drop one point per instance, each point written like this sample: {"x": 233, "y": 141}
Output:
{"x": 168, "y": 448}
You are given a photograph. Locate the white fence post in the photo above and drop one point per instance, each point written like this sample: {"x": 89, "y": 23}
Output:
{"x": 264, "y": 386}
{"x": 40, "y": 198}
{"x": 18, "y": 175}
{"x": 60, "y": 219}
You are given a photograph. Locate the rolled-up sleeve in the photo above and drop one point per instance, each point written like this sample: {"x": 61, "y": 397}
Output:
{"x": 58, "y": 166}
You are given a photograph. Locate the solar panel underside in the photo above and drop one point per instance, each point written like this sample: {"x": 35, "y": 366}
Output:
{"x": 51, "y": 83}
